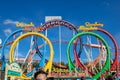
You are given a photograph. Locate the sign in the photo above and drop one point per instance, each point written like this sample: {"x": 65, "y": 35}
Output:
{"x": 14, "y": 70}
{"x": 96, "y": 24}
{"x": 52, "y": 18}
{"x": 33, "y": 29}
{"x": 14, "y": 73}
{"x": 60, "y": 70}
{"x": 57, "y": 23}
{"x": 20, "y": 24}
{"x": 83, "y": 28}
{"x": 88, "y": 26}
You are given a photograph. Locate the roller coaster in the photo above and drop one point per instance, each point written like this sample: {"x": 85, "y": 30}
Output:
{"x": 93, "y": 55}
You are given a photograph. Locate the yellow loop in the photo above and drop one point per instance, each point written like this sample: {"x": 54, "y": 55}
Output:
{"x": 48, "y": 65}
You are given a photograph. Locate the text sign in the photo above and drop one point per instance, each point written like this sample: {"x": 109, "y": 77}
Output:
{"x": 20, "y": 24}
{"x": 14, "y": 69}
{"x": 51, "y": 18}
{"x": 14, "y": 73}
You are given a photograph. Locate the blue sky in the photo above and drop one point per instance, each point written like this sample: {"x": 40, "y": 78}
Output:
{"x": 75, "y": 11}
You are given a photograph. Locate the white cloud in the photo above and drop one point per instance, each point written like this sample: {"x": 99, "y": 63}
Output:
{"x": 7, "y": 32}
{"x": 9, "y": 21}
{"x": 106, "y": 3}
{"x": 117, "y": 37}
{"x": 7, "y": 52}
{"x": 19, "y": 55}
{"x": 0, "y": 55}
{"x": 0, "y": 41}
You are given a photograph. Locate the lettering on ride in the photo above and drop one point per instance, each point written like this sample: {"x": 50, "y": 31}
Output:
{"x": 57, "y": 23}
{"x": 20, "y": 24}
{"x": 27, "y": 27}
{"x": 96, "y": 24}
{"x": 59, "y": 70}
{"x": 64, "y": 72}
{"x": 68, "y": 74}
{"x": 33, "y": 28}
{"x": 88, "y": 26}
{"x": 83, "y": 28}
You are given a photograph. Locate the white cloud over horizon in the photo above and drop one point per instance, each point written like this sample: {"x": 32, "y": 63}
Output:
{"x": 7, "y": 52}
{"x": 9, "y": 21}
{"x": 117, "y": 37}
{"x": 19, "y": 55}
{"x": 106, "y": 3}
{"x": 7, "y": 31}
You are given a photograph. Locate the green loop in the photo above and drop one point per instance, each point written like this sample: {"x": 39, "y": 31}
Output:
{"x": 107, "y": 63}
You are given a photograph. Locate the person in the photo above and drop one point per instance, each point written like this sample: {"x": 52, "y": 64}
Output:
{"x": 40, "y": 75}
{"x": 50, "y": 78}
{"x": 110, "y": 77}
{"x": 83, "y": 78}
{"x": 114, "y": 74}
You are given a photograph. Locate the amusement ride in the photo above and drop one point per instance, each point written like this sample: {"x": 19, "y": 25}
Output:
{"x": 89, "y": 51}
